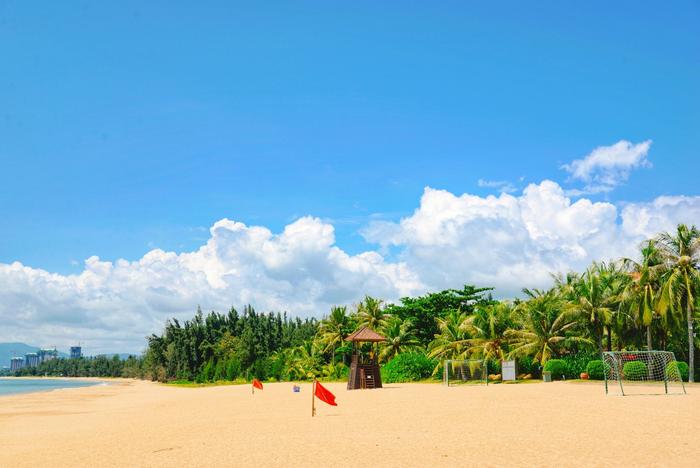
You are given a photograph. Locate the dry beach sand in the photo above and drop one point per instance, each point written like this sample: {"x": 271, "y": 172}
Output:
{"x": 133, "y": 423}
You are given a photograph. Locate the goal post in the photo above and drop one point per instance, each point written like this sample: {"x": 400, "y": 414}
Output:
{"x": 468, "y": 371}
{"x": 642, "y": 372}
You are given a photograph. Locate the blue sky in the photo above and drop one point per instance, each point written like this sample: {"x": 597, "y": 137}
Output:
{"x": 128, "y": 126}
{"x": 384, "y": 148}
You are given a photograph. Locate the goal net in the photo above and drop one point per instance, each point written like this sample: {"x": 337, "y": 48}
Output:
{"x": 472, "y": 371}
{"x": 642, "y": 372}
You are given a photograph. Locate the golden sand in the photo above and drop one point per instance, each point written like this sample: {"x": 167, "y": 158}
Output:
{"x": 133, "y": 423}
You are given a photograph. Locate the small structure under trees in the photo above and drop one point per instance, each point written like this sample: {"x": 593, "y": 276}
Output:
{"x": 364, "y": 369}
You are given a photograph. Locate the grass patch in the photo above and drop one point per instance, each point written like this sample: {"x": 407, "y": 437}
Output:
{"x": 193, "y": 384}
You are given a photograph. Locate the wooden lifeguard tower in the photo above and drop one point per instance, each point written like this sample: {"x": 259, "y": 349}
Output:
{"x": 364, "y": 370}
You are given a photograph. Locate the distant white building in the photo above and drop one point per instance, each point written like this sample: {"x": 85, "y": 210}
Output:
{"x": 16, "y": 363}
{"x": 47, "y": 354}
{"x": 31, "y": 359}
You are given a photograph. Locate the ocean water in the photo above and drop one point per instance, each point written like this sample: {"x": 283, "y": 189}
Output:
{"x": 11, "y": 386}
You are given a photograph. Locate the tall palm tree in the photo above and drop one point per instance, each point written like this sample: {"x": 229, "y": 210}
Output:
{"x": 400, "y": 337}
{"x": 546, "y": 327}
{"x": 681, "y": 284}
{"x": 641, "y": 292}
{"x": 614, "y": 280}
{"x": 565, "y": 285}
{"x": 333, "y": 330}
{"x": 453, "y": 340}
{"x": 592, "y": 303}
{"x": 304, "y": 362}
{"x": 370, "y": 313}
{"x": 486, "y": 328}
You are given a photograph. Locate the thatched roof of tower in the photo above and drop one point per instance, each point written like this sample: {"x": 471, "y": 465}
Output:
{"x": 365, "y": 334}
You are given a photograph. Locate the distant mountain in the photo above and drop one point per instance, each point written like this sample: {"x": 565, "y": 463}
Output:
{"x": 8, "y": 350}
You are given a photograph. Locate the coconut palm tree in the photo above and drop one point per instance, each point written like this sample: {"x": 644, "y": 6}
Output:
{"x": 641, "y": 292}
{"x": 565, "y": 285}
{"x": 614, "y": 280}
{"x": 370, "y": 313}
{"x": 486, "y": 329}
{"x": 453, "y": 340}
{"x": 304, "y": 362}
{"x": 681, "y": 283}
{"x": 400, "y": 337}
{"x": 546, "y": 328}
{"x": 333, "y": 330}
{"x": 592, "y": 303}
{"x": 334, "y": 371}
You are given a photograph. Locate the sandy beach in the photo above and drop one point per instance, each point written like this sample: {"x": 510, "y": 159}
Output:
{"x": 134, "y": 423}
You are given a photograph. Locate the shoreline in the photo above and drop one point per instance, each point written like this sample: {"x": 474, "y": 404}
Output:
{"x": 40, "y": 377}
{"x": 89, "y": 382}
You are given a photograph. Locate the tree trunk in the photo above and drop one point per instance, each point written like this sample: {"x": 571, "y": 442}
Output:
{"x": 609, "y": 337}
{"x": 649, "y": 347}
{"x": 691, "y": 344}
{"x": 600, "y": 343}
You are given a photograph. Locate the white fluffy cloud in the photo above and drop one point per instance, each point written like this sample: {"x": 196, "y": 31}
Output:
{"x": 606, "y": 167}
{"x": 661, "y": 214}
{"x": 115, "y": 305}
{"x": 507, "y": 241}
{"x": 512, "y": 242}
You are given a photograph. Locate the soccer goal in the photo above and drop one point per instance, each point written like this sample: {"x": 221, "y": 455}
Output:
{"x": 642, "y": 372}
{"x": 470, "y": 371}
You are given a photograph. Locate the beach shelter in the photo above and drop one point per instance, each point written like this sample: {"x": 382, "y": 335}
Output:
{"x": 364, "y": 369}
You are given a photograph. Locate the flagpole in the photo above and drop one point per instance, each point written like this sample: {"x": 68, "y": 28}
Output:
{"x": 313, "y": 398}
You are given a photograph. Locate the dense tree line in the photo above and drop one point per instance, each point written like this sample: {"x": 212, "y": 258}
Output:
{"x": 100, "y": 366}
{"x": 225, "y": 346}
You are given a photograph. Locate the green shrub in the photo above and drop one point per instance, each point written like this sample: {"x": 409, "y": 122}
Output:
{"x": 634, "y": 370}
{"x": 277, "y": 368}
{"x": 596, "y": 370}
{"x": 439, "y": 372}
{"x": 261, "y": 369}
{"x": 527, "y": 365}
{"x": 577, "y": 363}
{"x": 677, "y": 367}
{"x": 338, "y": 371}
{"x": 557, "y": 367}
{"x": 408, "y": 367}
{"x": 494, "y": 366}
{"x": 207, "y": 372}
{"x": 219, "y": 371}
{"x": 233, "y": 369}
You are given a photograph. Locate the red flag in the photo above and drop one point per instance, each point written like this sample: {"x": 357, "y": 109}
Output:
{"x": 323, "y": 394}
{"x": 257, "y": 384}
